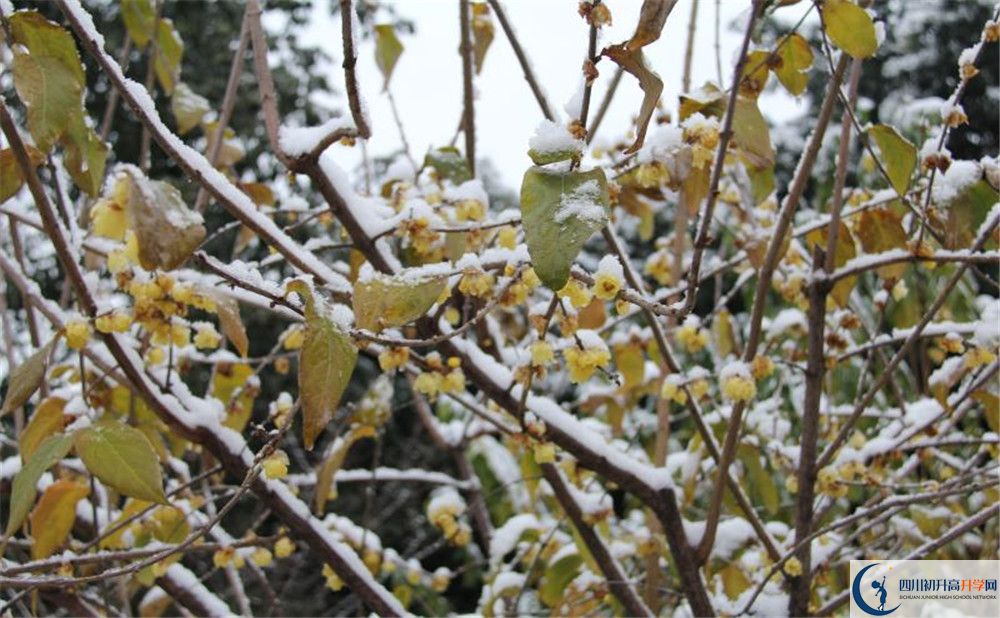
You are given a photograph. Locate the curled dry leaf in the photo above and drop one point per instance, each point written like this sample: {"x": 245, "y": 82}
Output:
{"x": 167, "y": 231}
{"x": 634, "y": 62}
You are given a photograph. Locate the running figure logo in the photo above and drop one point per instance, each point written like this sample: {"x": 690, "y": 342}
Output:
{"x": 880, "y": 591}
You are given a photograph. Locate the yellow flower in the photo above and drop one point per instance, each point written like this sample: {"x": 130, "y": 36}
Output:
{"x": 583, "y": 363}
{"x": 577, "y": 295}
{"x": 977, "y": 357}
{"x": 109, "y": 220}
{"x": 262, "y": 557}
{"x": 470, "y": 210}
{"x": 428, "y": 383}
{"x": 117, "y": 261}
{"x": 698, "y": 388}
{"x": 223, "y": 557}
{"x": 476, "y": 282}
{"x": 284, "y": 547}
{"x": 673, "y": 390}
{"x": 413, "y": 576}
{"x": 333, "y": 581}
{"x": 441, "y": 579}
{"x": 276, "y": 465}
{"x": 606, "y": 286}
{"x": 622, "y": 306}
{"x": 114, "y": 322}
{"x": 393, "y": 358}
{"x": 507, "y": 237}
{"x": 691, "y": 335}
{"x": 462, "y": 537}
{"x": 206, "y": 337}
{"x": 77, "y": 333}
{"x": 545, "y": 452}
{"x": 541, "y": 353}
{"x": 372, "y": 560}
{"x": 530, "y": 278}
{"x": 452, "y": 315}
{"x": 792, "y": 485}
{"x": 180, "y": 334}
{"x": 857, "y": 440}
{"x": 762, "y": 367}
{"x": 793, "y": 567}
{"x": 658, "y": 266}
{"x": 294, "y": 338}
{"x": 737, "y": 382}
{"x": 155, "y": 356}
{"x": 453, "y": 382}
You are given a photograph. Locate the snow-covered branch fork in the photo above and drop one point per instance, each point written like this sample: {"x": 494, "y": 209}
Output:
{"x": 625, "y": 412}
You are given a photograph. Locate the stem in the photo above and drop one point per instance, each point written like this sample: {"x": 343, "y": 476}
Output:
{"x": 689, "y": 49}
{"x": 468, "y": 104}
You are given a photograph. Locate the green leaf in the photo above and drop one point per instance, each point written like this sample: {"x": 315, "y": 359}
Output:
{"x": 850, "y": 28}
{"x": 52, "y": 519}
{"x": 169, "y": 49}
{"x": 557, "y": 578}
{"x": 708, "y": 100}
{"x": 561, "y": 210}
{"x": 449, "y": 164}
{"x": 751, "y": 134}
{"x": 326, "y": 363}
{"x": 86, "y": 156}
{"x": 188, "y": 107}
{"x": 796, "y": 57}
{"x": 44, "y": 38}
{"x": 167, "y": 231}
{"x": 966, "y": 212}
{"x": 23, "y": 489}
{"x": 138, "y": 16}
{"x": 26, "y": 378}
{"x": 122, "y": 458}
{"x": 51, "y": 94}
{"x": 388, "y": 48}
{"x": 384, "y": 302}
{"x": 898, "y": 155}
{"x": 325, "y": 488}
{"x": 760, "y": 482}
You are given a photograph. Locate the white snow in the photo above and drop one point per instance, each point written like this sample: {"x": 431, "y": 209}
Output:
{"x": 960, "y": 176}
{"x": 581, "y": 203}
{"x": 552, "y": 137}
{"x": 298, "y": 141}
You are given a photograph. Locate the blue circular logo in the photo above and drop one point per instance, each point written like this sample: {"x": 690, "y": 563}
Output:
{"x": 879, "y": 594}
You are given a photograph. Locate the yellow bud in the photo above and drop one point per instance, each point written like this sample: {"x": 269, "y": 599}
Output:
{"x": 262, "y": 557}
{"x": 77, "y": 334}
{"x": 284, "y": 547}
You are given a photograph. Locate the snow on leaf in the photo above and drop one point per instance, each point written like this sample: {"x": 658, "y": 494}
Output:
{"x": 167, "y": 231}
{"x": 383, "y": 302}
{"x": 561, "y": 210}
{"x": 121, "y": 457}
{"x": 326, "y": 363}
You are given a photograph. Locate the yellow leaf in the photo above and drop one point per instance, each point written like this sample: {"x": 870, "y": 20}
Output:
{"x": 325, "y": 487}
{"x": 228, "y": 311}
{"x": 46, "y": 420}
{"x": 188, "y": 107}
{"x": 482, "y": 33}
{"x": 169, "y": 49}
{"x": 10, "y": 172}
{"x": 652, "y": 16}
{"x": 53, "y": 517}
{"x": 138, "y": 16}
{"x": 850, "y": 28}
{"x": 632, "y": 60}
{"x": 881, "y": 229}
{"x": 844, "y": 251}
{"x": 388, "y": 48}
{"x": 631, "y": 364}
{"x": 383, "y": 302}
{"x": 26, "y": 378}
{"x": 795, "y": 58}
{"x": 122, "y": 458}
{"x": 751, "y": 134}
